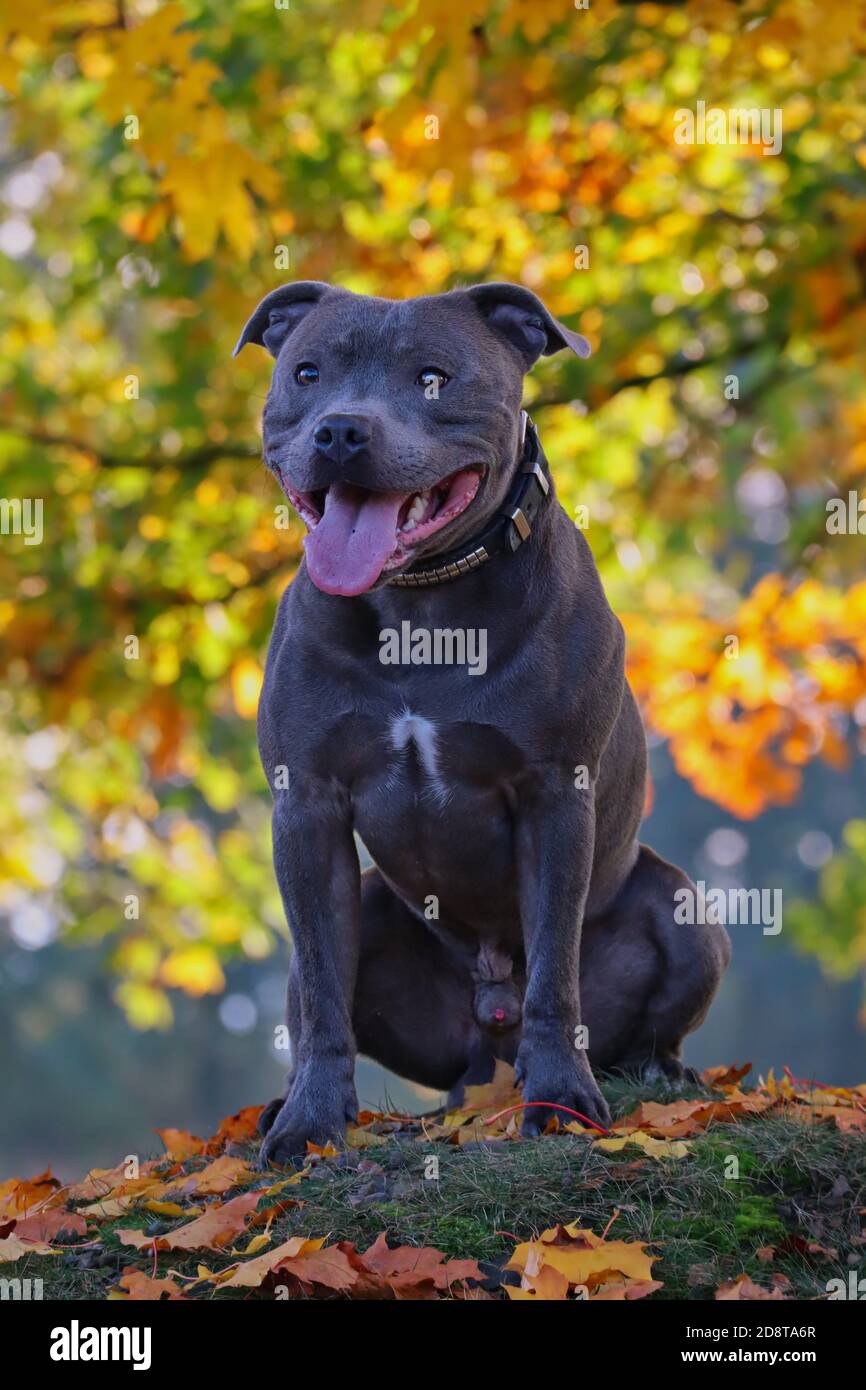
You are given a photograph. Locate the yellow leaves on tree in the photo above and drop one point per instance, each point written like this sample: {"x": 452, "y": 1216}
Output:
{"x": 156, "y": 88}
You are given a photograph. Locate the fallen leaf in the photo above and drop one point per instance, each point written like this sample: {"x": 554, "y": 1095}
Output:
{"x": 583, "y": 1257}
{"x": 217, "y": 1177}
{"x": 20, "y": 1195}
{"x": 114, "y": 1182}
{"x": 180, "y": 1144}
{"x": 172, "y": 1209}
{"x": 619, "y": 1291}
{"x": 50, "y": 1224}
{"x": 655, "y": 1148}
{"x": 423, "y": 1261}
{"x": 138, "y": 1285}
{"x": 720, "y": 1078}
{"x": 743, "y": 1288}
{"x": 687, "y": 1117}
{"x": 253, "y": 1272}
{"x": 546, "y": 1284}
{"x": 221, "y": 1223}
{"x": 13, "y": 1248}
{"x": 236, "y": 1129}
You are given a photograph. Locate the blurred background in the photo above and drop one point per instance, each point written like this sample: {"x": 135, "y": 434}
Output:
{"x": 162, "y": 167}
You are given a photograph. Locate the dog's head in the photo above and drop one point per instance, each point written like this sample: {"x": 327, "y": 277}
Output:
{"x": 392, "y": 425}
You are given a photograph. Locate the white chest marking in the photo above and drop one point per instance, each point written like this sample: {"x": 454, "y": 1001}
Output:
{"x": 411, "y": 728}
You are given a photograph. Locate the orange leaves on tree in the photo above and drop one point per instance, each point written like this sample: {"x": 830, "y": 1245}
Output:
{"x": 745, "y": 702}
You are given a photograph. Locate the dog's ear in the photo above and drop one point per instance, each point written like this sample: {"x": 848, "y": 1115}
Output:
{"x": 280, "y": 312}
{"x": 521, "y": 318}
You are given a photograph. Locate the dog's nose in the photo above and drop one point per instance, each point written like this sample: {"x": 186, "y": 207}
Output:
{"x": 339, "y": 438}
{"x": 499, "y": 1015}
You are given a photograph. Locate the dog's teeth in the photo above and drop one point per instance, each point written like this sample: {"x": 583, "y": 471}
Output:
{"x": 416, "y": 511}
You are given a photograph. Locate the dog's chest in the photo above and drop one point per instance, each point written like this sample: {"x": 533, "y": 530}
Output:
{"x": 432, "y": 800}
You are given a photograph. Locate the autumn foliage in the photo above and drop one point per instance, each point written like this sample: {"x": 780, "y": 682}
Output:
{"x": 171, "y": 163}
{"x": 236, "y": 1239}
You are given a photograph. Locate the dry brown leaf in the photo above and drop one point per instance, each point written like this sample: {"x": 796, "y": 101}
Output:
{"x": 180, "y": 1144}
{"x": 620, "y": 1292}
{"x": 423, "y": 1262}
{"x": 217, "y": 1177}
{"x": 236, "y": 1129}
{"x": 357, "y": 1137}
{"x": 720, "y": 1078}
{"x": 546, "y": 1285}
{"x": 103, "y": 1183}
{"x": 583, "y": 1257}
{"x": 50, "y": 1224}
{"x": 252, "y": 1273}
{"x": 220, "y": 1224}
{"x": 138, "y": 1285}
{"x": 743, "y": 1288}
{"x": 687, "y": 1117}
{"x": 654, "y": 1148}
{"x": 13, "y": 1248}
{"x": 18, "y": 1196}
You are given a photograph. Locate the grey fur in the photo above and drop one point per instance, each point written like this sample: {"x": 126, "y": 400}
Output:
{"x": 520, "y": 861}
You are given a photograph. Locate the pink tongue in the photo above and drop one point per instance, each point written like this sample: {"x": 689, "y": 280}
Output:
{"x": 347, "y": 550}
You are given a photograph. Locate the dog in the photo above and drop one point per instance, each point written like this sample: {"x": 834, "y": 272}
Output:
{"x": 500, "y": 807}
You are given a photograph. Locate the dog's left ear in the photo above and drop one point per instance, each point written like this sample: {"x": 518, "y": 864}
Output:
{"x": 279, "y": 312}
{"x": 522, "y": 319}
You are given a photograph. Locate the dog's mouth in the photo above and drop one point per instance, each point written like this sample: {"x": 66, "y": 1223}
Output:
{"x": 356, "y": 535}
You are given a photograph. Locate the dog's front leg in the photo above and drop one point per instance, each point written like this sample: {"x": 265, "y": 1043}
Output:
{"x": 319, "y": 878}
{"x": 555, "y": 842}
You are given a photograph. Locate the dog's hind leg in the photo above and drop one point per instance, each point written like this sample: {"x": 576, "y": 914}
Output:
{"x": 647, "y": 980}
{"x": 413, "y": 997}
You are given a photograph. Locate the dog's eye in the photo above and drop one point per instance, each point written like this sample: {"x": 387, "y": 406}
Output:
{"x": 431, "y": 375}
{"x": 307, "y": 374}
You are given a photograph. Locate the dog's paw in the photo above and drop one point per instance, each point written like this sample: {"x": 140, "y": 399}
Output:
{"x": 317, "y": 1113}
{"x": 670, "y": 1072}
{"x": 552, "y": 1078}
{"x": 269, "y": 1114}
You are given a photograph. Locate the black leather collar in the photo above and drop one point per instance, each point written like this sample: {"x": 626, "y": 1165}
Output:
{"x": 510, "y": 527}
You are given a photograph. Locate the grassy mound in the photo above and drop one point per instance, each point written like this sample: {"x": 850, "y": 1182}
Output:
{"x": 775, "y": 1195}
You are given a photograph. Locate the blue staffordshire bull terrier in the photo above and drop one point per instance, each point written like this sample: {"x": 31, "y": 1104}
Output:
{"x": 512, "y": 911}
